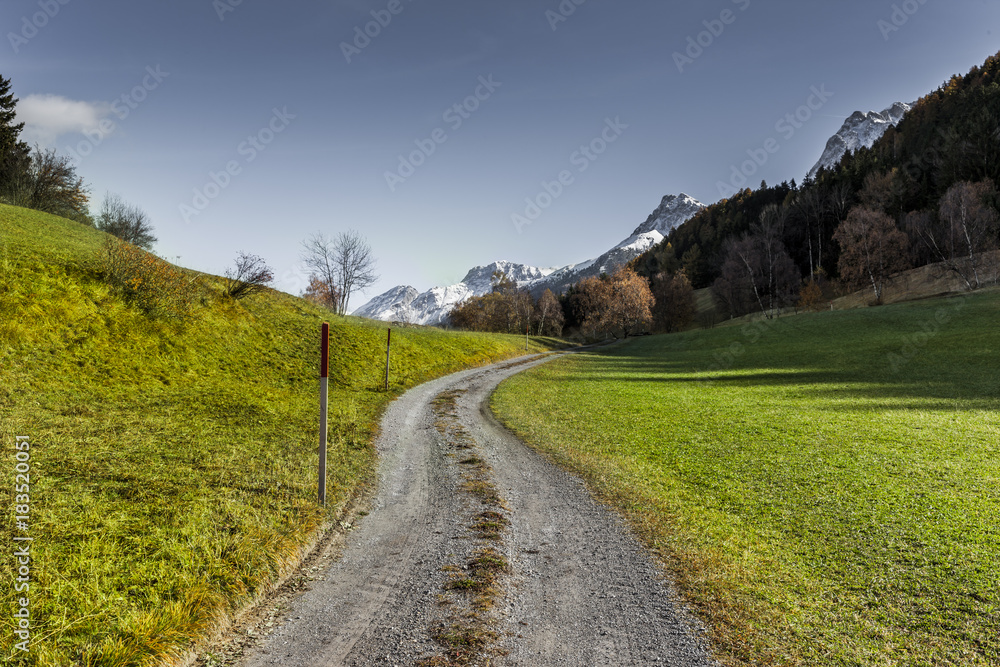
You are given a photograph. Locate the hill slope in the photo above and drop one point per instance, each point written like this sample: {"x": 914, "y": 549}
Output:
{"x": 173, "y": 461}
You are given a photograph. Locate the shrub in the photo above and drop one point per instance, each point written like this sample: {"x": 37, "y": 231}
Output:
{"x": 145, "y": 280}
{"x": 811, "y": 296}
{"x": 250, "y": 275}
{"x": 126, "y": 221}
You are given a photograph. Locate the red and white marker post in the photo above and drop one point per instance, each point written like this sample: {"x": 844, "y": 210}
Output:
{"x": 324, "y": 379}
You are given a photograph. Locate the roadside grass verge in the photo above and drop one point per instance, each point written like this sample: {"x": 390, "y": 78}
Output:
{"x": 173, "y": 461}
{"x": 824, "y": 487}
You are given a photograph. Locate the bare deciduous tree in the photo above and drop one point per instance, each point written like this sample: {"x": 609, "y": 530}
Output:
{"x": 758, "y": 270}
{"x": 126, "y": 221}
{"x": 345, "y": 264}
{"x": 971, "y": 226}
{"x": 872, "y": 249}
{"x": 48, "y": 182}
{"x": 250, "y": 276}
{"x": 549, "y": 314}
{"x": 812, "y": 208}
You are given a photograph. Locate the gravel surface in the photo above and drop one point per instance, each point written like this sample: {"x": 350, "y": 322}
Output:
{"x": 580, "y": 589}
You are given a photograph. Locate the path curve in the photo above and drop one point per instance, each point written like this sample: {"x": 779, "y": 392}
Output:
{"x": 580, "y": 589}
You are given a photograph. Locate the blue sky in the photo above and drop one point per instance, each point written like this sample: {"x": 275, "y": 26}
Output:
{"x": 248, "y": 125}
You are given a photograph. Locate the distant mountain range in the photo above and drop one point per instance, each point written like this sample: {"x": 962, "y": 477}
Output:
{"x": 407, "y": 304}
{"x": 859, "y": 130}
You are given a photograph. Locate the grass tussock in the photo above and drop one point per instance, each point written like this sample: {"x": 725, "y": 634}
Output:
{"x": 173, "y": 458}
{"x": 824, "y": 487}
{"x": 473, "y": 588}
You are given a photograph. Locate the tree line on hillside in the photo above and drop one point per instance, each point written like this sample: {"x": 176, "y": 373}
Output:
{"x": 621, "y": 305}
{"x": 43, "y": 180}
{"x": 924, "y": 193}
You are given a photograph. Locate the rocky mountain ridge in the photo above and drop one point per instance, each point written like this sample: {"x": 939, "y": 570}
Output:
{"x": 860, "y": 130}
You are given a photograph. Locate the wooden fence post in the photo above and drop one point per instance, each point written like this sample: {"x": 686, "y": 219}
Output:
{"x": 388, "y": 351}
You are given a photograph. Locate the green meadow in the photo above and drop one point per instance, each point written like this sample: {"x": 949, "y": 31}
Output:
{"x": 825, "y": 487}
{"x": 173, "y": 460}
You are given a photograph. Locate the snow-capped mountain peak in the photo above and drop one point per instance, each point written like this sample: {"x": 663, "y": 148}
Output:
{"x": 403, "y": 304}
{"x": 392, "y": 306}
{"x": 673, "y": 211}
{"x": 860, "y": 130}
{"x": 480, "y": 279}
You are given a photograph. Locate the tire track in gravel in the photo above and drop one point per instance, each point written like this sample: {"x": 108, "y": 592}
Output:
{"x": 580, "y": 589}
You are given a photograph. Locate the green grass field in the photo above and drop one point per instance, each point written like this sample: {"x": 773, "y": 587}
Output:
{"x": 173, "y": 463}
{"x": 826, "y": 487}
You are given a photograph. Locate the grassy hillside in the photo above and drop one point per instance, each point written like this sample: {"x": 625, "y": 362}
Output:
{"x": 826, "y": 486}
{"x": 173, "y": 462}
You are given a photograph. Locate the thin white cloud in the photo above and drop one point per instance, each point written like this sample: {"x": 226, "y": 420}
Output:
{"x": 47, "y": 117}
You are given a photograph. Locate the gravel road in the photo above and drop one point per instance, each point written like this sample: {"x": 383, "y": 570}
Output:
{"x": 578, "y": 589}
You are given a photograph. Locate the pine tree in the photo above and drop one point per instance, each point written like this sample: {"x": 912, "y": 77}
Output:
{"x": 13, "y": 152}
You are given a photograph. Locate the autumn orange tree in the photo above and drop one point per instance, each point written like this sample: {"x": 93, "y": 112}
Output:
{"x": 505, "y": 309}
{"x": 586, "y": 302}
{"x": 872, "y": 248}
{"x": 321, "y": 293}
{"x": 627, "y": 304}
{"x": 674, "y": 301}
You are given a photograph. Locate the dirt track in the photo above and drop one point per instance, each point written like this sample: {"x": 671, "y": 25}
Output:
{"x": 579, "y": 590}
